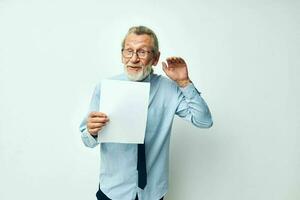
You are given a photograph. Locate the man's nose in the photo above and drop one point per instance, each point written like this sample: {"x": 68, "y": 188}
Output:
{"x": 134, "y": 58}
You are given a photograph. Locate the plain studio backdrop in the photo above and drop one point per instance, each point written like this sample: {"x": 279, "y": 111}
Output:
{"x": 242, "y": 55}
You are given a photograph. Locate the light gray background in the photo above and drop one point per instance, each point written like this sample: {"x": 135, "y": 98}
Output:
{"x": 242, "y": 55}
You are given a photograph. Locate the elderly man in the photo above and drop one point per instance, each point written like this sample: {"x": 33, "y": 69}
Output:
{"x": 131, "y": 171}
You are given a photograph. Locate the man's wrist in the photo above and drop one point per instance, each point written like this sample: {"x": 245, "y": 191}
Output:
{"x": 183, "y": 83}
{"x": 93, "y": 135}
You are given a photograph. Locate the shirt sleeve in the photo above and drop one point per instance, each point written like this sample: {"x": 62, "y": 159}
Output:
{"x": 87, "y": 139}
{"x": 193, "y": 108}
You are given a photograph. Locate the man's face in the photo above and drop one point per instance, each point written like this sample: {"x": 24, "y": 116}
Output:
{"x": 138, "y": 67}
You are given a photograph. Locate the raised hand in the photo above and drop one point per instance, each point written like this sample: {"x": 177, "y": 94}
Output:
{"x": 177, "y": 70}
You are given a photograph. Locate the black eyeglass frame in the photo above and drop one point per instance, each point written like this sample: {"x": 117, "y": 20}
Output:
{"x": 137, "y": 53}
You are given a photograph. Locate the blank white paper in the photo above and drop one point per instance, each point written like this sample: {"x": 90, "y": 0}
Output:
{"x": 126, "y": 105}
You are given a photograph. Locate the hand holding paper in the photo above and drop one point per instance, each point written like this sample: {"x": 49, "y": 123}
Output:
{"x": 96, "y": 121}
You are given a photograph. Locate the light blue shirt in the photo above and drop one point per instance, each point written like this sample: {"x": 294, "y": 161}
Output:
{"x": 118, "y": 171}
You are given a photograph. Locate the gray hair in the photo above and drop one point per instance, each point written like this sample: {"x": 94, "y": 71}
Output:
{"x": 141, "y": 30}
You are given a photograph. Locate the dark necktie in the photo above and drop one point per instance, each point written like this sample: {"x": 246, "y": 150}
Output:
{"x": 141, "y": 166}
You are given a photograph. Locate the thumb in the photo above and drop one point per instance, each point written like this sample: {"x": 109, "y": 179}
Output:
{"x": 164, "y": 67}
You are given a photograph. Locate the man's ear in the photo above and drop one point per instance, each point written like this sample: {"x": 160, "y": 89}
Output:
{"x": 156, "y": 59}
{"x": 122, "y": 59}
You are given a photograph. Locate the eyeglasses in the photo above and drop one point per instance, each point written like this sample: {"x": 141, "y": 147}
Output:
{"x": 141, "y": 53}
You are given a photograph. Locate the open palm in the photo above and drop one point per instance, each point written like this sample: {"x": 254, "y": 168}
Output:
{"x": 176, "y": 69}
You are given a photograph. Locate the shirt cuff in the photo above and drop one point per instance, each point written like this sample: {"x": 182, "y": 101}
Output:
{"x": 189, "y": 91}
{"x": 87, "y": 135}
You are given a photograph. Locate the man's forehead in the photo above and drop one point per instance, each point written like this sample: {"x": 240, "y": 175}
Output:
{"x": 135, "y": 39}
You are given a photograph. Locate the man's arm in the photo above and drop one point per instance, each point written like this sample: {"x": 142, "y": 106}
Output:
{"x": 93, "y": 122}
{"x": 192, "y": 106}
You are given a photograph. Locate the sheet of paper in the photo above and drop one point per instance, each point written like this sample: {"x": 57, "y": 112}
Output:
{"x": 126, "y": 104}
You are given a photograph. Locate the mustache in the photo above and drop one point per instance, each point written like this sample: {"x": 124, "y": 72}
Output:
{"x": 136, "y": 66}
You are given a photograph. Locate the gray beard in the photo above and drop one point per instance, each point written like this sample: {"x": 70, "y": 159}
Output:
{"x": 141, "y": 75}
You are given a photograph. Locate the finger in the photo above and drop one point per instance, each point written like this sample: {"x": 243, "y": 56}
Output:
{"x": 164, "y": 66}
{"x": 170, "y": 62}
{"x": 97, "y": 114}
{"x": 181, "y": 60}
{"x": 169, "y": 59}
{"x": 175, "y": 60}
{"x": 95, "y": 125}
{"x": 98, "y": 120}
